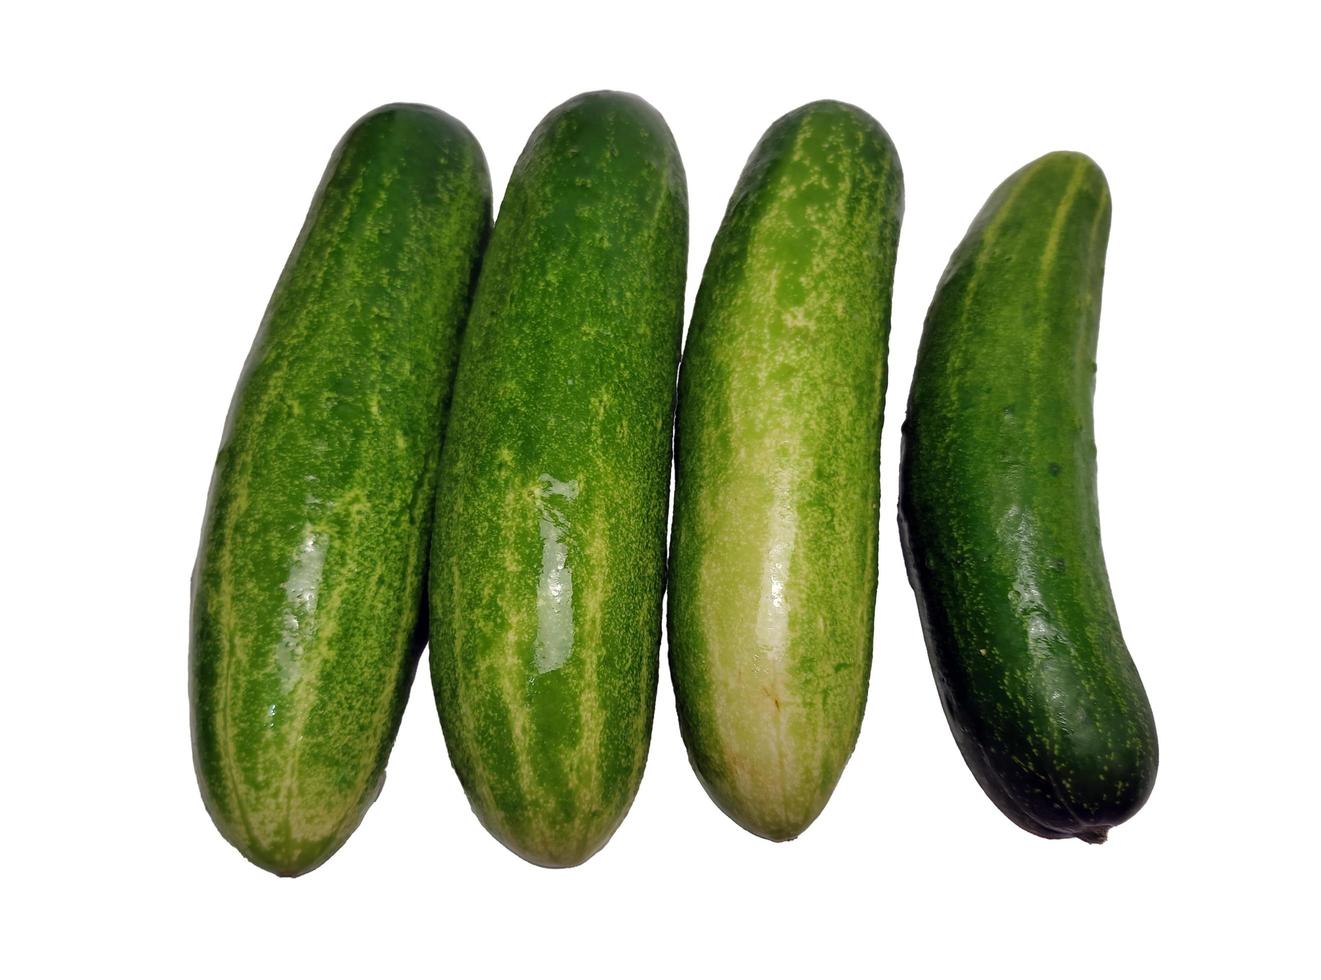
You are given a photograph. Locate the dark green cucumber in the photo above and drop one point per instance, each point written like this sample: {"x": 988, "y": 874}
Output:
{"x": 773, "y": 558}
{"x": 548, "y": 557}
{"x": 308, "y": 584}
{"x": 998, "y": 513}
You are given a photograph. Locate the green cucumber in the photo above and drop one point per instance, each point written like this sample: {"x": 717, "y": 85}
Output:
{"x": 781, "y": 394}
{"x": 999, "y": 519}
{"x": 308, "y": 585}
{"x": 548, "y": 558}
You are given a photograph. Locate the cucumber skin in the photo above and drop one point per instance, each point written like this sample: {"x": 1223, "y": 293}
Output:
{"x": 999, "y": 517}
{"x": 308, "y": 583}
{"x": 777, "y": 469}
{"x": 548, "y": 557}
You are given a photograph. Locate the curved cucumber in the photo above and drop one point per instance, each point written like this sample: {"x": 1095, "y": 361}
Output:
{"x": 308, "y": 583}
{"x": 999, "y": 519}
{"x": 773, "y": 556}
{"x": 548, "y": 558}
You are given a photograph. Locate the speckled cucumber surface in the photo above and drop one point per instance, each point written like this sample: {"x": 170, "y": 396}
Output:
{"x": 548, "y": 559}
{"x": 773, "y": 554}
{"x": 308, "y": 583}
{"x": 999, "y": 518}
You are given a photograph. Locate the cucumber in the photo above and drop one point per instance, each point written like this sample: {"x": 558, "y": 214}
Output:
{"x": 548, "y": 557}
{"x": 998, "y": 513}
{"x": 308, "y": 583}
{"x": 773, "y": 555}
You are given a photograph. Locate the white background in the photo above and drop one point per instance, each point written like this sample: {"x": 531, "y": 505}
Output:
{"x": 157, "y": 164}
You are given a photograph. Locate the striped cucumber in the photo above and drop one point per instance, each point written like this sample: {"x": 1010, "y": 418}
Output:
{"x": 999, "y": 519}
{"x": 308, "y": 583}
{"x": 548, "y": 557}
{"x": 773, "y": 556}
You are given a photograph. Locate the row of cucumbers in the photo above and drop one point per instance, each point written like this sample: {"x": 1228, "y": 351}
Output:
{"x": 460, "y": 433}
